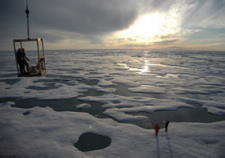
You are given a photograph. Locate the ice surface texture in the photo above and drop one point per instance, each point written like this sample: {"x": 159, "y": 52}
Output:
{"x": 100, "y": 91}
{"x": 46, "y": 133}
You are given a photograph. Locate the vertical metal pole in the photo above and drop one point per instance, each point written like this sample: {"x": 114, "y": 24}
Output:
{"x": 38, "y": 51}
{"x": 17, "y": 67}
{"x": 43, "y": 51}
{"x": 27, "y": 12}
{"x": 21, "y": 44}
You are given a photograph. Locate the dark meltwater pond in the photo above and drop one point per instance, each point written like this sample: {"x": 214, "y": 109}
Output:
{"x": 91, "y": 141}
{"x": 137, "y": 87}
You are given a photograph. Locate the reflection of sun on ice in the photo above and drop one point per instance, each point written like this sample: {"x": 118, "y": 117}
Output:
{"x": 146, "y": 66}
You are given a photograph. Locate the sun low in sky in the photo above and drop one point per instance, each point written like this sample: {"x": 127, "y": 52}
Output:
{"x": 127, "y": 24}
{"x": 149, "y": 29}
{"x": 145, "y": 28}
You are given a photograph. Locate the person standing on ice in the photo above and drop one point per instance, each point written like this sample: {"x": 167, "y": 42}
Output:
{"x": 25, "y": 59}
{"x": 19, "y": 58}
{"x": 166, "y": 125}
{"x": 157, "y": 127}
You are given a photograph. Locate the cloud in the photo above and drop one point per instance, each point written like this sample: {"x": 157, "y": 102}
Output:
{"x": 84, "y": 16}
{"x": 207, "y": 13}
{"x": 135, "y": 45}
{"x": 94, "y": 20}
{"x": 53, "y": 19}
{"x": 80, "y": 16}
{"x": 166, "y": 42}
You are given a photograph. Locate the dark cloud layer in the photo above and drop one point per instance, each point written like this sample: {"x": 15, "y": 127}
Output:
{"x": 87, "y": 17}
{"x": 92, "y": 16}
{"x": 92, "y": 19}
{"x": 82, "y": 16}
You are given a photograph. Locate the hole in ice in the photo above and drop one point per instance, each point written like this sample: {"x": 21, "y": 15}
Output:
{"x": 10, "y": 81}
{"x": 210, "y": 141}
{"x": 26, "y": 113}
{"x": 91, "y": 141}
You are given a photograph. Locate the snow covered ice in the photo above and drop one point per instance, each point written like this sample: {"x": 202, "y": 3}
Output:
{"x": 45, "y": 133}
{"x": 116, "y": 93}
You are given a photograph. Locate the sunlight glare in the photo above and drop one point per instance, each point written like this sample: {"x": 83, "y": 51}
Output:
{"x": 148, "y": 25}
{"x": 149, "y": 29}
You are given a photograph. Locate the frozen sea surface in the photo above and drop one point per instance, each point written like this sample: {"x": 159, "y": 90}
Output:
{"x": 140, "y": 87}
{"x": 129, "y": 87}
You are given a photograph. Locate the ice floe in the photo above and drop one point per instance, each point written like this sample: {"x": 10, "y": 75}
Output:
{"x": 46, "y": 133}
{"x": 104, "y": 91}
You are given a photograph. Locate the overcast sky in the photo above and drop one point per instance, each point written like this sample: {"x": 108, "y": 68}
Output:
{"x": 112, "y": 24}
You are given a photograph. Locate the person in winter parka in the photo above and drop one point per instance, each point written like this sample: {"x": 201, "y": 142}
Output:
{"x": 166, "y": 125}
{"x": 157, "y": 128}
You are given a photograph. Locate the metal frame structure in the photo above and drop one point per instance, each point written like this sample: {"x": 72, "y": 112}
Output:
{"x": 41, "y": 66}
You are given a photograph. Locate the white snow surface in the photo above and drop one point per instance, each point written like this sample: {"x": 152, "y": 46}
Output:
{"x": 83, "y": 106}
{"x": 122, "y": 82}
{"x": 46, "y": 133}
{"x": 167, "y": 74}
